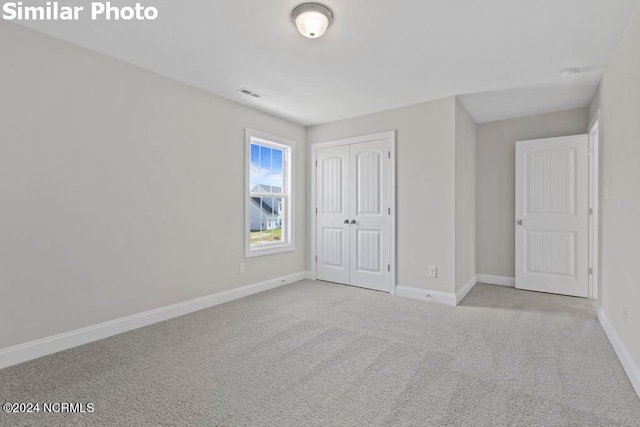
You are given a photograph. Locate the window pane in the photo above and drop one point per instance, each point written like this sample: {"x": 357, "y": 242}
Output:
{"x": 266, "y": 222}
{"x": 267, "y": 175}
{"x": 265, "y": 180}
{"x": 255, "y": 233}
{"x": 276, "y": 181}
{"x": 276, "y": 156}
{"x": 255, "y": 222}
{"x": 265, "y": 157}
{"x": 255, "y": 155}
{"x": 255, "y": 238}
{"x": 255, "y": 212}
{"x": 254, "y": 179}
{"x": 271, "y": 216}
{"x": 278, "y": 208}
{"x": 267, "y": 203}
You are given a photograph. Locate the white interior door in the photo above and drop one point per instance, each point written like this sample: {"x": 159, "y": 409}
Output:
{"x": 552, "y": 215}
{"x": 353, "y": 216}
{"x": 333, "y": 214}
{"x": 370, "y": 213}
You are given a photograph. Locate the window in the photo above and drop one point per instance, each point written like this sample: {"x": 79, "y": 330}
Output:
{"x": 269, "y": 196}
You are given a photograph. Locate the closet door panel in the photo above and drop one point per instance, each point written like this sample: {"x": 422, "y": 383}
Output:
{"x": 369, "y": 189}
{"x": 332, "y": 202}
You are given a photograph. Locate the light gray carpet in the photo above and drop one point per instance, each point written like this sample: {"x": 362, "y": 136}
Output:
{"x": 316, "y": 353}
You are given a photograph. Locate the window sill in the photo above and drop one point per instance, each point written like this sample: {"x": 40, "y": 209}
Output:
{"x": 269, "y": 250}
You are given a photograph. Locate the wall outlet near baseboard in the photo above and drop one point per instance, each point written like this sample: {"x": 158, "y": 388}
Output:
{"x": 243, "y": 268}
{"x": 433, "y": 271}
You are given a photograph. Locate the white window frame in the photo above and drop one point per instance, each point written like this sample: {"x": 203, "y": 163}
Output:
{"x": 288, "y": 169}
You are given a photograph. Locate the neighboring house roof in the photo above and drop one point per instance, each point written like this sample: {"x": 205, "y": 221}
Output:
{"x": 265, "y": 206}
{"x": 266, "y": 189}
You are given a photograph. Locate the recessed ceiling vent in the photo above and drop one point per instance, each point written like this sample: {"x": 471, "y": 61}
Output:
{"x": 250, "y": 93}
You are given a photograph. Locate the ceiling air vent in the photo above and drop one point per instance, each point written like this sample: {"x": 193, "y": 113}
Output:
{"x": 250, "y": 93}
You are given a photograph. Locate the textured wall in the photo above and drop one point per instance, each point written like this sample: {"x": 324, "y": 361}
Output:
{"x": 465, "y": 228}
{"x": 122, "y": 191}
{"x": 619, "y": 98}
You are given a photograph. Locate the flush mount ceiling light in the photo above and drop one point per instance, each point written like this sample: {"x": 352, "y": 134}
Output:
{"x": 312, "y": 19}
{"x": 570, "y": 73}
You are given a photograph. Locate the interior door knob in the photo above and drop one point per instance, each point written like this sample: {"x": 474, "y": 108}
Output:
{"x": 353, "y": 221}
{"x": 519, "y": 222}
{"x": 346, "y": 221}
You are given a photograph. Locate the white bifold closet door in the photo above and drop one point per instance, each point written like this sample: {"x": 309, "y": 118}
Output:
{"x": 353, "y": 214}
{"x": 552, "y": 215}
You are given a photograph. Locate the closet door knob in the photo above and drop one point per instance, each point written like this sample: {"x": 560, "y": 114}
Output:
{"x": 353, "y": 221}
{"x": 346, "y": 221}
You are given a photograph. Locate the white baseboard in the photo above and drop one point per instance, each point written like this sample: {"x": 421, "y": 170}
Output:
{"x": 426, "y": 295}
{"x": 630, "y": 367}
{"x": 496, "y": 280}
{"x": 465, "y": 289}
{"x": 309, "y": 275}
{"x": 53, "y": 344}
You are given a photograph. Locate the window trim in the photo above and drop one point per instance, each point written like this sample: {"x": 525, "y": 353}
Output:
{"x": 288, "y": 148}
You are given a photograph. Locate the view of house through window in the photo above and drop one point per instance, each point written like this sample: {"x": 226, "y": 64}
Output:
{"x": 268, "y": 193}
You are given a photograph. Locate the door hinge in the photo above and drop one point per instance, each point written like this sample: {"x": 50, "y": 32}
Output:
{"x": 590, "y": 211}
{"x": 389, "y": 152}
{"x": 316, "y": 258}
{"x": 388, "y": 267}
{"x": 316, "y": 211}
{"x": 389, "y": 211}
{"x": 590, "y": 270}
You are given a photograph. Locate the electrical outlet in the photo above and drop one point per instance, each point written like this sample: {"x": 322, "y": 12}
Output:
{"x": 242, "y": 267}
{"x": 624, "y": 315}
{"x": 433, "y": 271}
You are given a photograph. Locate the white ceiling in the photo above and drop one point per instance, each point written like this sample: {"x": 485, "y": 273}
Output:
{"x": 502, "y": 56}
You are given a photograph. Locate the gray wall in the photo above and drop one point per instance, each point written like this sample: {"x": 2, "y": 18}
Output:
{"x": 122, "y": 191}
{"x": 425, "y": 185}
{"x": 595, "y": 105}
{"x": 465, "y": 227}
{"x": 619, "y": 98}
{"x": 495, "y": 245}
